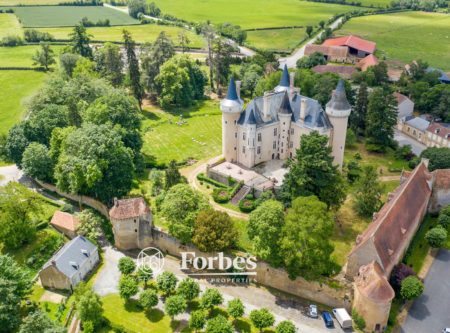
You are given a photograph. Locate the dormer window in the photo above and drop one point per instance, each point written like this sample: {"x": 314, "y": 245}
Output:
{"x": 74, "y": 264}
{"x": 85, "y": 252}
{"x": 437, "y": 130}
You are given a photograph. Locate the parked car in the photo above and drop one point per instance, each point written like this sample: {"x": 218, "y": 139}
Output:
{"x": 327, "y": 319}
{"x": 312, "y": 311}
{"x": 343, "y": 318}
{"x": 446, "y": 330}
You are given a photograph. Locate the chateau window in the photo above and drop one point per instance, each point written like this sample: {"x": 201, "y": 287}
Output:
{"x": 235, "y": 122}
{"x": 235, "y": 134}
{"x": 226, "y": 122}
{"x": 259, "y": 137}
{"x": 292, "y": 131}
{"x": 244, "y": 136}
{"x": 275, "y": 131}
{"x": 282, "y": 144}
{"x": 291, "y": 144}
{"x": 243, "y": 150}
{"x": 258, "y": 150}
{"x": 274, "y": 145}
{"x": 282, "y": 151}
{"x": 284, "y": 123}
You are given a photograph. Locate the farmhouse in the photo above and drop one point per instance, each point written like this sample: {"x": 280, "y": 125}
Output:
{"x": 331, "y": 53}
{"x": 405, "y": 106}
{"x": 344, "y": 72}
{"x": 367, "y": 62}
{"x": 271, "y": 126}
{"x": 357, "y": 46}
{"x": 66, "y": 223}
{"x": 438, "y": 135}
{"x": 414, "y": 127}
{"x": 70, "y": 265}
{"x": 132, "y": 221}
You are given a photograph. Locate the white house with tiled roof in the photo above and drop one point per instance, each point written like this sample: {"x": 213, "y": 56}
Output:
{"x": 270, "y": 126}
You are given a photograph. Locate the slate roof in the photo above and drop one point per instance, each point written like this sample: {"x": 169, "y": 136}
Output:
{"x": 338, "y": 98}
{"x": 353, "y": 42}
{"x": 443, "y": 78}
{"x": 232, "y": 93}
{"x": 419, "y": 123}
{"x": 64, "y": 220}
{"x": 128, "y": 208}
{"x": 284, "y": 82}
{"x": 77, "y": 252}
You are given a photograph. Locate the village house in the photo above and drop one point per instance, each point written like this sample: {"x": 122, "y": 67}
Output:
{"x": 66, "y": 223}
{"x": 357, "y": 46}
{"x": 405, "y": 106}
{"x": 331, "y": 53}
{"x": 415, "y": 127}
{"x": 70, "y": 265}
{"x": 438, "y": 135}
{"x": 271, "y": 126}
{"x": 132, "y": 222}
{"x": 365, "y": 63}
{"x": 344, "y": 72}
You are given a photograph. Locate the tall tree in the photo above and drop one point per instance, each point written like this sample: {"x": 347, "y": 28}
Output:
{"x": 312, "y": 172}
{"x": 44, "y": 57}
{"x": 209, "y": 33}
{"x": 89, "y": 306}
{"x": 134, "y": 73}
{"x": 37, "y": 163}
{"x": 172, "y": 175}
{"x": 305, "y": 245}
{"x": 110, "y": 64}
{"x": 79, "y": 41}
{"x": 357, "y": 118}
{"x": 183, "y": 40}
{"x": 39, "y": 322}
{"x": 221, "y": 60}
{"x": 368, "y": 192}
{"x": 381, "y": 118}
{"x": 262, "y": 318}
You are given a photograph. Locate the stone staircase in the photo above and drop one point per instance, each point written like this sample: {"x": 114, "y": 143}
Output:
{"x": 240, "y": 195}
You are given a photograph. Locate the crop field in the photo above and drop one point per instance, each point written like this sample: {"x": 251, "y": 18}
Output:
{"x": 9, "y": 25}
{"x": 198, "y": 132}
{"x": 141, "y": 33}
{"x": 20, "y": 56}
{"x": 253, "y": 13}
{"x": 276, "y": 39}
{"x": 16, "y": 87}
{"x": 63, "y": 16}
{"x": 406, "y": 36}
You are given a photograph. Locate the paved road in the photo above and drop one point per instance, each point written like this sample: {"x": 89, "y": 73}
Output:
{"x": 404, "y": 139}
{"x": 431, "y": 311}
{"x": 291, "y": 61}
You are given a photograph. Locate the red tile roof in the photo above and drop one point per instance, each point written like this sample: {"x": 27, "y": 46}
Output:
{"x": 372, "y": 283}
{"x": 439, "y": 130}
{"x": 353, "y": 42}
{"x": 442, "y": 179}
{"x": 331, "y": 51}
{"x": 64, "y": 220}
{"x": 344, "y": 71}
{"x": 128, "y": 208}
{"x": 395, "y": 224}
{"x": 367, "y": 62}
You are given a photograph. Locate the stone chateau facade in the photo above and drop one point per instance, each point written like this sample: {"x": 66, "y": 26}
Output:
{"x": 271, "y": 126}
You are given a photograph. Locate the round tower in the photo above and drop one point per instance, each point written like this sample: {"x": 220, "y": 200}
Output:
{"x": 231, "y": 107}
{"x": 285, "y": 116}
{"x": 338, "y": 110}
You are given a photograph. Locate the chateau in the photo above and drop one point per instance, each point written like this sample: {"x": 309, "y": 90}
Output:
{"x": 271, "y": 126}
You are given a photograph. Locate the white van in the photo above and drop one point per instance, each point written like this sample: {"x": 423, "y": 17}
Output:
{"x": 343, "y": 318}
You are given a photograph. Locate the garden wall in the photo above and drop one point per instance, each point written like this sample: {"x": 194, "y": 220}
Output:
{"x": 270, "y": 277}
{"x": 88, "y": 201}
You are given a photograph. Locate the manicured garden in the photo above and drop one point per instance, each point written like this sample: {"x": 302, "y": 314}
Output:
{"x": 406, "y": 36}
{"x": 145, "y": 33}
{"x": 17, "y": 86}
{"x": 276, "y": 39}
{"x": 63, "y": 16}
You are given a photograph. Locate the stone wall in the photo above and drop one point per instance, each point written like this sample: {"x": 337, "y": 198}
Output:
{"x": 85, "y": 200}
{"x": 270, "y": 277}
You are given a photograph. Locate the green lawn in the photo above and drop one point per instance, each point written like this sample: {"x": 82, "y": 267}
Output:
{"x": 9, "y": 25}
{"x": 253, "y": 13}
{"x": 141, "y": 33}
{"x": 63, "y": 16}
{"x": 165, "y": 140}
{"x": 21, "y": 56}
{"x": 16, "y": 88}
{"x": 31, "y": 2}
{"x": 406, "y": 36}
{"x": 376, "y": 3}
{"x": 276, "y": 39}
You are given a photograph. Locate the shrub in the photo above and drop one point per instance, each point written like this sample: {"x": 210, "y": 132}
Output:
{"x": 220, "y": 195}
{"x": 246, "y": 205}
{"x": 444, "y": 220}
{"x": 35, "y": 36}
{"x": 399, "y": 273}
{"x": 358, "y": 320}
{"x": 126, "y": 265}
{"x": 11, "y": 41}
{"x": 436, "y": 237}
{"x": 411, "y": 288}
{"x": 211, "y": 181}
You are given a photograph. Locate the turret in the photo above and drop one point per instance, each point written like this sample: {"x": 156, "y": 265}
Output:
{"x": 338, "y": 110}
{"x": 284, "y": 84}
{"x": 231, "y": 107}
{"x": 285, "y": 116}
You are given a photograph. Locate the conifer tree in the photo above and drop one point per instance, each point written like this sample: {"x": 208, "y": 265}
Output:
{"x": 80, "y": 41}
{"x": 358, "y": 116}
{"x": 133, "y": 68}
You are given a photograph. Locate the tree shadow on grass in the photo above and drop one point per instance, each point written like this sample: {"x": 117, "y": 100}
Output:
{"x": 242, "y": 326}
{"x": 132, "y": 305}
{"x": 154, "y": 315}
{"x": 218, "y": 311}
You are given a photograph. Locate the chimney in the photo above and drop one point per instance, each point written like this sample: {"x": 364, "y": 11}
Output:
{"x": 116, "y": 202}
{"x": 266, "y": 105}
{"x": 303, "y": 109}
{"x": 291, "y": 84}
{"x": 53, "y": 262}
{"x": 238, "y": 88}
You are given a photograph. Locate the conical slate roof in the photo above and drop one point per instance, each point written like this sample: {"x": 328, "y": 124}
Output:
{"x": 339, "y": 99}
{"x": 251, "y": 118}
{"x": 231, "y": 93}
{"x": 284, "y": 82}
{"x": 285, "y": 106}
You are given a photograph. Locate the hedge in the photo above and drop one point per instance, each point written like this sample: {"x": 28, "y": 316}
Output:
{"x": 221, "y": 195}
{"x": 204, "y": 178}
{"x": 246, "y": 205}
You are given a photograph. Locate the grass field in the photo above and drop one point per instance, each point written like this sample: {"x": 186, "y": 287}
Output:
{"x": 141, "y": 33}
{"x": 376, "y": 3}
{"x": 9, "y": 25}
{"x": 406, "y": 36}
{"x": 31, "y": 2}
{"x": 20, "y": 56}
{"x": 166, "y": 140}
{"x": 16, "y": 87}
{"x": 276, "y": 39}
{"x": 253, "y": 13}
{"x": 66, "y": 16}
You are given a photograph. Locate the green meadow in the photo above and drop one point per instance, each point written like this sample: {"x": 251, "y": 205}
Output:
{"x": 143, "y": 33}
{"x": 21, "y": 56}
{"x": 375, "y": 3}
{"x": 9, "y": 25}
{"x": 179, "y": 134}
{"x": 253, "y": 13}
{"x": 31, "y": 2}
{"x": 406, "y": 36}
{"x": 63, "y": 16}
{"x": 276, "y": 39}
{"x": 17, "y": 86}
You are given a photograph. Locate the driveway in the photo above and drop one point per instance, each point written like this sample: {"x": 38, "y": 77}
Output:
{"x": 404, "y": 139}
{"x": 431, "y": 311}
{"x": 107, "y": 281}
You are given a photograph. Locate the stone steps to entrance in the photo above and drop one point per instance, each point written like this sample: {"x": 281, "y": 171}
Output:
{"x": 240, "y": 195}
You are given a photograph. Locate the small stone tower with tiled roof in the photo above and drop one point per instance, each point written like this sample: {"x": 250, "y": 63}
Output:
{"x": 338, "y": 110}
{"x": 231, "y": 107}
